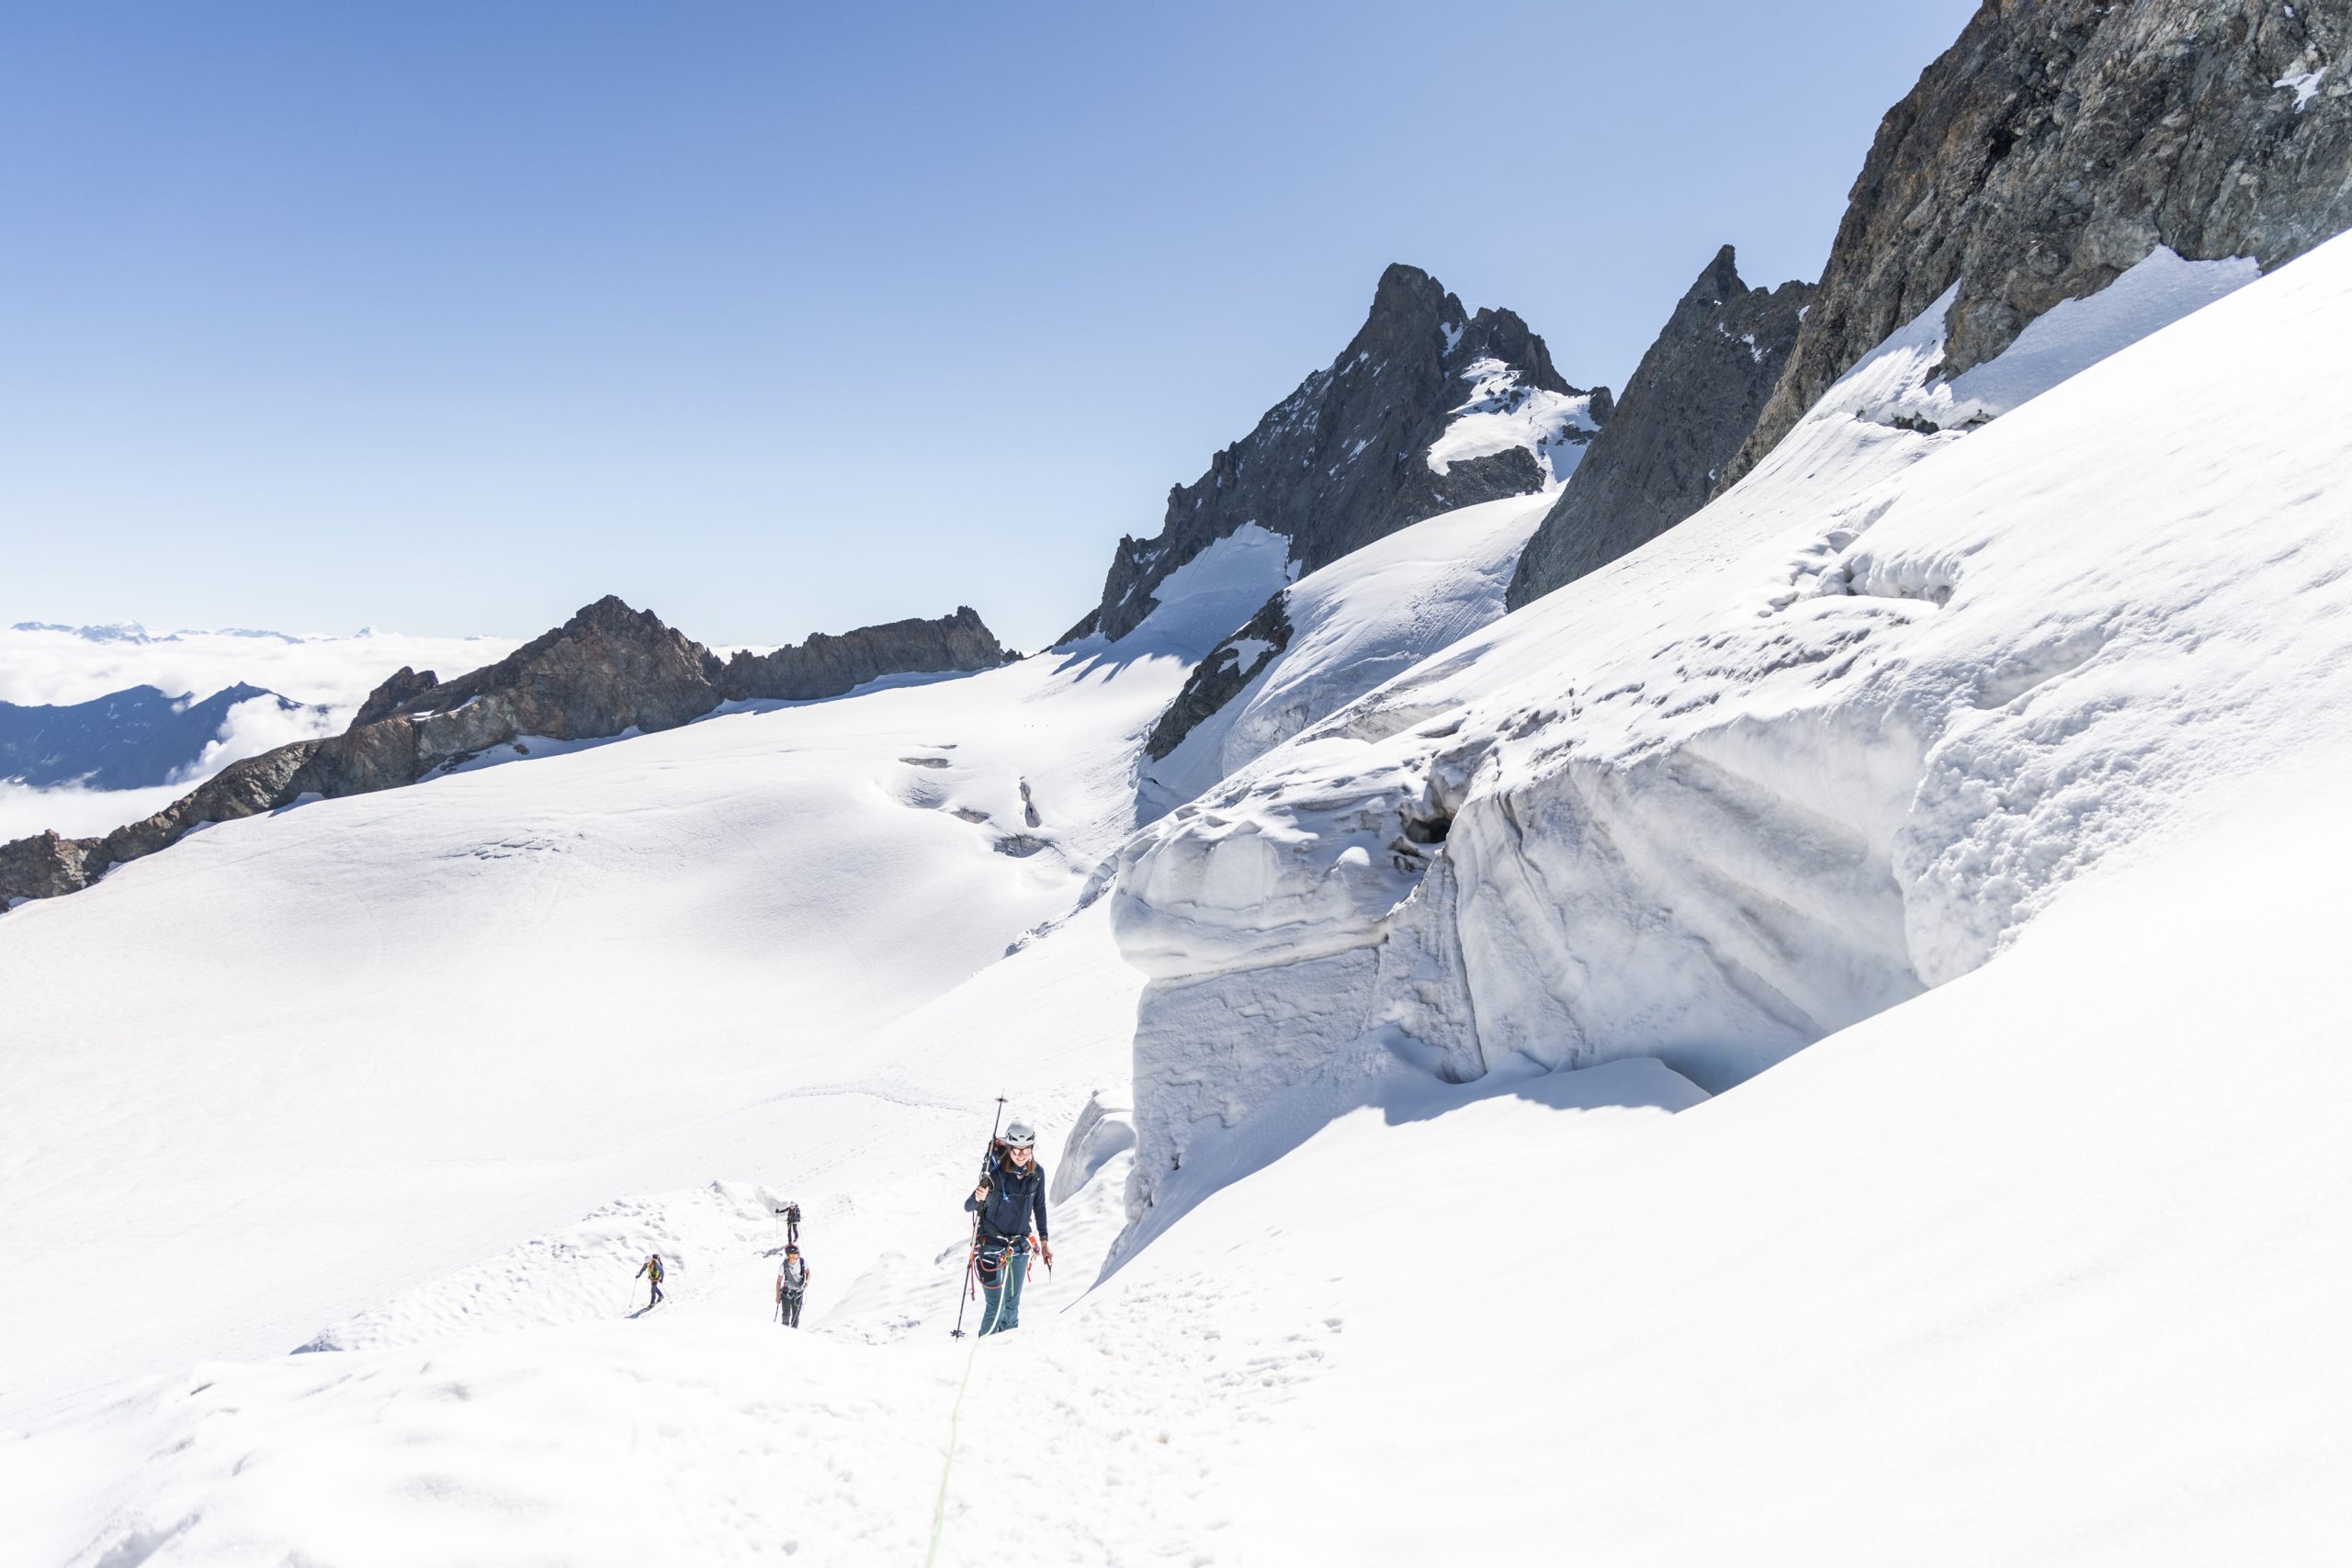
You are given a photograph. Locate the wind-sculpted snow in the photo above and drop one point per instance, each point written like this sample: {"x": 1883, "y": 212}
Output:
{"x": 1835, "y": 740}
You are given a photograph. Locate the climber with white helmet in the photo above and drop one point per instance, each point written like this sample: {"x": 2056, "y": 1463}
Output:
{"x": 1009, "y": 1207}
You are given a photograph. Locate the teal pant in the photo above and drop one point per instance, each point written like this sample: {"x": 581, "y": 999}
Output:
{"x": 1002, "y": 1267}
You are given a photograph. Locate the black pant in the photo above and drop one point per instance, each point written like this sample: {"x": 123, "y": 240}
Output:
{"x": 791, "y": 1310}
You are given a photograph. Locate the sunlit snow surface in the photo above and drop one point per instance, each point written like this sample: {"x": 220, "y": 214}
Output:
{"x": 1214, "y": 592}
{"x": 1367, "y": 617}
{"x": 2047, "y": 1264}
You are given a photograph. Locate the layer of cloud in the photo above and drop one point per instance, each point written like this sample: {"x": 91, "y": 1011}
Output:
{"x": 330, "y": 676}
{"x": 75, "y": 812}
{"x": 256, "y": 726}
{"x": 61, "y": 666}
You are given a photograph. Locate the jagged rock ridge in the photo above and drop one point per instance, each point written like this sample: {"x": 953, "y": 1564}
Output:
{"x": 608, "y": 670}
{"x": 1428, "y": 409}
{"x": 2058, "y": 142}
{"x": 827, "y": 666}
{"x": 1691, "y": 404}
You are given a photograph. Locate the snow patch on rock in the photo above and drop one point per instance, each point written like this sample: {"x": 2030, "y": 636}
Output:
{"x": 1500, "y": 414}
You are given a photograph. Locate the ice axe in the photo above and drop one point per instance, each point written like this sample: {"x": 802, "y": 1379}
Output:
{"x": 972, "y": 1254}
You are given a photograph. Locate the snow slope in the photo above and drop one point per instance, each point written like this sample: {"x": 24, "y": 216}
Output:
{"x": 1368, "y": 615}
{"x": 304, "y": 1062}
{"x": 1833, "y": 740}
{"x": 2017, "y": 1271}
{"x": 1210, "y": 595}
{"x": 2047, "y": 1265}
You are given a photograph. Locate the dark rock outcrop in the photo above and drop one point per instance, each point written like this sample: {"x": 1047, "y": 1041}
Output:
{"x": 606, "y": 671}
{"x": 127, "y": 739}
{"x": 2056, "y": 144}
{"x": 396, "y": 689}
{"x": 1344, "y": 459}
{"x": 1691, "y": 404}
{"x": 1219, "y": 677}
{"x": 827, "y": 666}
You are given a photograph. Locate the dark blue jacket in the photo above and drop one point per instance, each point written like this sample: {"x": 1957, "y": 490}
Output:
{"x": 1013, "y": 1198}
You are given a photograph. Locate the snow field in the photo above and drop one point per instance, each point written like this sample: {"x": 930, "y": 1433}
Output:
{"x": 1123, "y": 1425}
{"x": 339, "y": 1049}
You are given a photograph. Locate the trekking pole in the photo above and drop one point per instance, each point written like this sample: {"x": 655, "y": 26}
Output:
{"x": 972, "y": 1257}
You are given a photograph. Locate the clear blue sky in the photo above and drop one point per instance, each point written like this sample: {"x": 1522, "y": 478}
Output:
{"x": 778, "y": 317}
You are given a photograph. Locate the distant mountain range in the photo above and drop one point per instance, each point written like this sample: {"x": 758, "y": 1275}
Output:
{"x": 127, "y": 739}
{"x": 133, "y": 632}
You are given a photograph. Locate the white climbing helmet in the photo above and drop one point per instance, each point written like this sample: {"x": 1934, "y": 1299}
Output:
{"x": 1019, "y": 1135}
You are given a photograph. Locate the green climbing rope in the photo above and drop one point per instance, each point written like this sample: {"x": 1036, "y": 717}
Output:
{"x": 939, "y": 1515}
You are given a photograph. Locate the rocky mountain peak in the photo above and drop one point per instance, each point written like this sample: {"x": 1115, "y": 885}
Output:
{"x": 607, "y": 669}
{"x": 1406, "y": 297}
{"x": 2059, "y": 143}
{"x": 1692, "y": 401}
{"x": 1427, "y": 409}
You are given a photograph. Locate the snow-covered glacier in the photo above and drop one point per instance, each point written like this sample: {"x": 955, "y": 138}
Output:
{"x": 1832, "y": 741}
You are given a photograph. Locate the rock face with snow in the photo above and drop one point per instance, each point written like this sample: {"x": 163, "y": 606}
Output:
{"x": 1333, "y": 635}
{"x": 1836, "y": 740}
{"x": 1428, "y": 409}
{"x": 608, "y": 671}
{"x": 1689, "y": 408}
{"x": 2059, "y": 143}
{"x": 826, "y": 666}
{"x": 125, "y": 740}
{"x": 1222, "y": 676}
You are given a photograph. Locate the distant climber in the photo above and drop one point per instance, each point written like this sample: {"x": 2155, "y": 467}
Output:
{"x": 791, "y": 1287}
{"x": 1010, "y": 1196}
{"x": 652, "y": 1270}
{"x": 791, "y": 1213}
